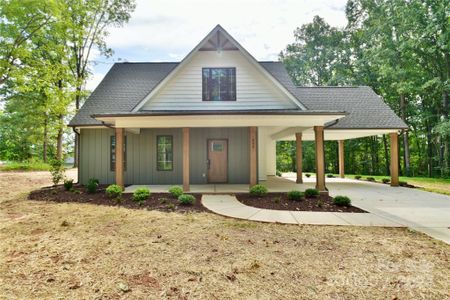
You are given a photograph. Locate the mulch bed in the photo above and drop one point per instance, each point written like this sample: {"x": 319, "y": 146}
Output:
{"x": 280, "y": 201}
{"x": 157, "y": 201}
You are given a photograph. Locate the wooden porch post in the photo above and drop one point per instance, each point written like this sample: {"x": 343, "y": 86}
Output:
{"x": 341, "y": 159}
{"x": 394, "y": 159}
{"x": 320, "y": 159}
{"x": 253, "y": 155}
{"x": 119, "y": 157}
{"x": 298, "y": 139}
{"x": 186, "y": 186}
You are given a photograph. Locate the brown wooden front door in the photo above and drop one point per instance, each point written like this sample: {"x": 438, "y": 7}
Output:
{"x": 217, "y": 161}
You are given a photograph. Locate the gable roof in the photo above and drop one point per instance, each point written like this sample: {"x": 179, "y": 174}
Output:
{"x": 126, "y": 84}
{"x": 206, "y": 43}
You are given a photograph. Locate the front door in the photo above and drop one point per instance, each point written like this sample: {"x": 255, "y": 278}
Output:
{"x": 217, "y": 161}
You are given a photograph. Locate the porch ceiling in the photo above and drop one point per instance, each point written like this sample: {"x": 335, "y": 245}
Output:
{"x": 339, "y": 134}
{"x": 304, "y": 120}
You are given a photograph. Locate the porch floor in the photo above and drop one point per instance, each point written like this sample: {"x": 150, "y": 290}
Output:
{"x": 273, "y": 183}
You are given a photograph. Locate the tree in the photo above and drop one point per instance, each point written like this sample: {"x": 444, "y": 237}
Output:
{"x": 88, "y": 22}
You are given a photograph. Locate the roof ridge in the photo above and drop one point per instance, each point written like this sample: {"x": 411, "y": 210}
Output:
{"x": 146, "y": 62}
{"x": 331, "y": 86}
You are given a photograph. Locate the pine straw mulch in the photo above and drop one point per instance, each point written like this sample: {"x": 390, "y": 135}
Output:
{"x": 157, "y": 201}
{"x": 280, "y": 201}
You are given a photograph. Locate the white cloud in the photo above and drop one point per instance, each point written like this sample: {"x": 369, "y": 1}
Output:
{"x": 174, "y": 27}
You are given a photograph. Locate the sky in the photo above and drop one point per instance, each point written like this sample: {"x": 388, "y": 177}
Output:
{"x": 167, "y": 30}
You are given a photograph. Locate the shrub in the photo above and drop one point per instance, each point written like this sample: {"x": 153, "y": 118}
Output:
{"x": 370, "y": 179}
{"x": 186, "y": 199}
{"x": 311, "y": 193}
{"x": 176, "y": 191}
{"x": 308, "y": 175}
{"x": 92, "y": 185}
{"x": 358, "y": 177}
{"x": 403, "y": 183}
{"x": 295, "y": 195}
{"x": 258, "y": 190}
{"x": 68, "y": 184}
{"x": 57, "y": 171}
{"x": 141, "y": 194}
{"x": 385, "y": 180}
{"x": 330, "y": 176}
{"x": 342, "y": 201}
{"x": 320, "y": 203}
{"x": 114, "y": 191}
{"x": 278, "y": 173}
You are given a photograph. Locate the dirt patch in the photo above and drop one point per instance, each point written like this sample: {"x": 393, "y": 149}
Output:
{"x": 279, "y": 201}
{"x": 157, "y": 201}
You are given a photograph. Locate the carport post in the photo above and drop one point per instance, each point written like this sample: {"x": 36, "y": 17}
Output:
{"x": 298, "y": 139}
{"x": 320, "y": 160}
{"x": 341, "y": 159}
{"x": 394, "y": 159}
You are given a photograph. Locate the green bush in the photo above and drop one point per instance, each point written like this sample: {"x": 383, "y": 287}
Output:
{"x": 358, "y": 177}
{"x": 278, "y": 173}
{"x": 295, "y": 195}
{"x": 141, "y": 194}
{"x": 176, "y": 191}
{"x": 330, "y": 176}
{"x": 308, "y": 175}
{"x": 258, "y": 190}
{"x": 186, "y": 199}
{"x": 114, "y": 191}
{"x": 370, "y": 179}
{"x": 311, "y": 193}
{"x": 25, "y": 166}
{"x": 403, "y": 183}
{"x": 92, "y": 185}
{"x": 342, "y": 201}
{"x": 385, "y": 180}
{"x": 68, "y": 184}
{"x": 57, "y": 171}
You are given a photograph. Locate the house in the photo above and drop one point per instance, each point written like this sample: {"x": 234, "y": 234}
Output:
{"x": 215, "y": 117}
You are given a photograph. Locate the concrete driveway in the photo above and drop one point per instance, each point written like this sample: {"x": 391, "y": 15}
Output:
{"x": 422, "y": 211}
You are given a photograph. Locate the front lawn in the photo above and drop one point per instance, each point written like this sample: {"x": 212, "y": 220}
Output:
{"x": 81, "y": 251}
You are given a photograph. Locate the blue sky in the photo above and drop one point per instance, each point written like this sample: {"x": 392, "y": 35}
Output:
{"x": 167, "y": 30}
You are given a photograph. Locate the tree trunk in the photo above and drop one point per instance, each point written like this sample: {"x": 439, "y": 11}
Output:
{"x": 59, "y": 138}
{"x": 445, "y": 153}
{"x": 406, "y": 160}
{"x": 76, "y": 141}
{"x": 386, "y": 156}
{"x": 45, "y": 140}
{"x": 429, "y": 149}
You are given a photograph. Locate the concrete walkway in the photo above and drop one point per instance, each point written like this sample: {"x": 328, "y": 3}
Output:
{"x": 229, "y": 206}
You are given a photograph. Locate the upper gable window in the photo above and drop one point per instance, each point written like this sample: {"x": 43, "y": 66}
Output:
{"x": 219, "y": 84}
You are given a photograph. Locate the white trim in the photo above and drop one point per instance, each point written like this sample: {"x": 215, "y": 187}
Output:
{"x": 247, "y": 55}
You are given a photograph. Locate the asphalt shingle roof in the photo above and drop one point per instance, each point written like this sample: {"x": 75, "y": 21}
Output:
{"x": 126, "y": 84}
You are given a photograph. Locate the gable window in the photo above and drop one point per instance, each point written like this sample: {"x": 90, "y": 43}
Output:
{"x": 219, "y": 84}
{"x": 112, "y": 150}
{"x": 164, "y": 150}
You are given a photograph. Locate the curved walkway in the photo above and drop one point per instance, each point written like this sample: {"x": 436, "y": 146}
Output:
{"x": 229, "y": 206}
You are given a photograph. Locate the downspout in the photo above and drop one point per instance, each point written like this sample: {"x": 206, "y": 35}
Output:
{"x": 332, "y": 124}
{"x": 78, "y": 152}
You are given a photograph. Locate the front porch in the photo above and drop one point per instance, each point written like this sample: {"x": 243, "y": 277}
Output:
{"x": 273, "y": 183}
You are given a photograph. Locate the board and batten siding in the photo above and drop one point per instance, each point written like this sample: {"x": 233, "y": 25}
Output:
{"x": 141, "y": 155}
{"x": 184, "y": 91}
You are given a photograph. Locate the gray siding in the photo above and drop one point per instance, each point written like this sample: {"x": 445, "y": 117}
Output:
{"x": 238, "y": 153}
{"x": 141, "y": 155}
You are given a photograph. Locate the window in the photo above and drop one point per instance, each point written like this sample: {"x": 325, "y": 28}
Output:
{"x": 113, "y": 153}
{"x": 164, "y": 156}
{"x": 219, "y": 84}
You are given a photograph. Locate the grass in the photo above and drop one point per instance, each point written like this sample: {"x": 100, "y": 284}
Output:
{"x": 68, "y": 250}
{"x": 25, "y": 166}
